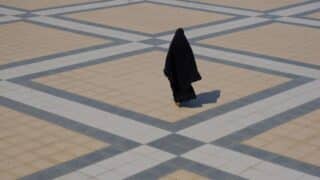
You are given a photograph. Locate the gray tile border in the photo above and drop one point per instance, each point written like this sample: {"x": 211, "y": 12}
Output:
{"x": 234, "y": 140}
{"x": 57, "y": 55}
{"x": 68, "y": 5}
{"x": 304, "y": 14}
{"x": 154, "y": 41}
{"x": 291, "y": 6}
{"x": 118, "y": 41}
{"x": 151, "y": 35}
{"x": 243, "y": 52}
{"x": 303, "y": 22}
{"x": 113, "y": 42}
{"x": 94, "y": 24}
{"x": 229, "y": 31}
{"x": 258, "y": 11}
{"x": 77, "y": 31}
{"x": 176, "y": 144}
{"x": 117, "y": 144}
{"x": 7, "y": 20}
{"x": 98, "y": 8}
{"x": 190, "y": 28}
{"x": 184, "y": 164}
{"x": 174, "y": 127}
{"x": 224, "y": 6}
{"x": 14, "y": 8}
{"x": 193, "y": 8}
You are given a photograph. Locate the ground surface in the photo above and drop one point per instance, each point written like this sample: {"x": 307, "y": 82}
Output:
{"x": 83, "y": 95}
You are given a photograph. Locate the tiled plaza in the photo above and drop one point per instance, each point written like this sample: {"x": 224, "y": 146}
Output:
{"x": 83, "y": 95}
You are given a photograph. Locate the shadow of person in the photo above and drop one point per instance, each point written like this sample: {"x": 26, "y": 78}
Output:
{"x": 203, "y": 98}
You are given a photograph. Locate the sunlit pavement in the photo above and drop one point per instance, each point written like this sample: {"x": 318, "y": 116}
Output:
{"x": 83, "y": 94}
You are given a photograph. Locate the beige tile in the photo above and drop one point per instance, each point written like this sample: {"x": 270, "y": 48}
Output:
{"x": 145, "y": 90}
{"x": 279, "y": 40}
{"x": 94, "y": 145}
{"x": 7, "y": 176}
{"x": 13, "y": 151}
{"x": 25, "y": 40}
{"x": 281, "y": 146}
{"x": 40, "y": 4}
{"x": 183, "y": 175}
{"x": 148, "y": 18}
{"x": 60, "y": 157}
{"x": 313, "y": 158}
{"x": 257, "y": 142}
{"x": 22, "y": 170}
{"x": 295, "y": 139}
{"x": 26, "y": 157}
{"x": 40, "y": 163}
{"x": 299, "y": 151}
{"x": 253, "y": 4}
{"x": 315, "y": 140}
{"x": 28, "y": 151}
{"x": 45, "y": 151}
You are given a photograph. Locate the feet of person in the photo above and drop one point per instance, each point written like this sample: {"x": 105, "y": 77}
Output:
{"x": 178, "y": 104}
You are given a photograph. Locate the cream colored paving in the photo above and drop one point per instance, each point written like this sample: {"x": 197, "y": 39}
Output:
{"x": 21, "y": 40}
{"x": 281, "y": 40}
{"x": 137, "y": 83}
{"x": 261, "y": 5}
{"x": 149, "y": 18}
{"x": 298, "y": 139}
{"x": 183, "y": 175}
{"x": 28, "y": 144}
{"x": 315, "y": 15}
{"x": 40, "y": 4}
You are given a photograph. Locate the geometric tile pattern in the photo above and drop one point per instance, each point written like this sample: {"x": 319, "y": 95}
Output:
{"x": 298, "y": 139}
{"x": 25, "y": 150}
{"x": 175, "y": 144}
{"x": 130, "y": 83}
{"x": 315, "y": 15}
{"x": 254, "y": 5}
{"x": 83, "y": 95}
{"x": 145, "y": 17}
{"x": 36, "y": 4}
{"x": 30, "y": 41}
{"x": 276, "y": 39}
{"x": 182, "y": 174}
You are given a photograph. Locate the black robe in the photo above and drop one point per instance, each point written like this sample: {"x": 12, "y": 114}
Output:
{"x": 180, "y": 68}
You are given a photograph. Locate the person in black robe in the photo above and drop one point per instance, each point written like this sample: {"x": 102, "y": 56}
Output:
{"x": 181, "y": 69}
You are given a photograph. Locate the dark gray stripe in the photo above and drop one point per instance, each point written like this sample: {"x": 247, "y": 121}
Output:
{"x": 70, "y": 5}
{"x": 53, "y": 56}
{"x": 188, "y": 165}
{"x": 118, "y": 144}
{"x": 98, "y": 8}
{"x": 291, "y": 6}
{"x": 13, "y": 8}
{"x": 301, "y": 15}
{"x": 202, "y": 25}
{"x": 96, "y": 24}
{"x": 75, "y": 31}
{"x": 264, "y": 56}
{"x": 234, "y": 140}
{"x": 27, "y": 81}
{"x": 193, "y": 8}
{"x": 229, "y": 31}
{"x": 224, "y": 6}
{"x": 299, "y": 24}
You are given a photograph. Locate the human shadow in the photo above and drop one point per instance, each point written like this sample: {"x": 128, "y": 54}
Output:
{"x": 203, "y": 98}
